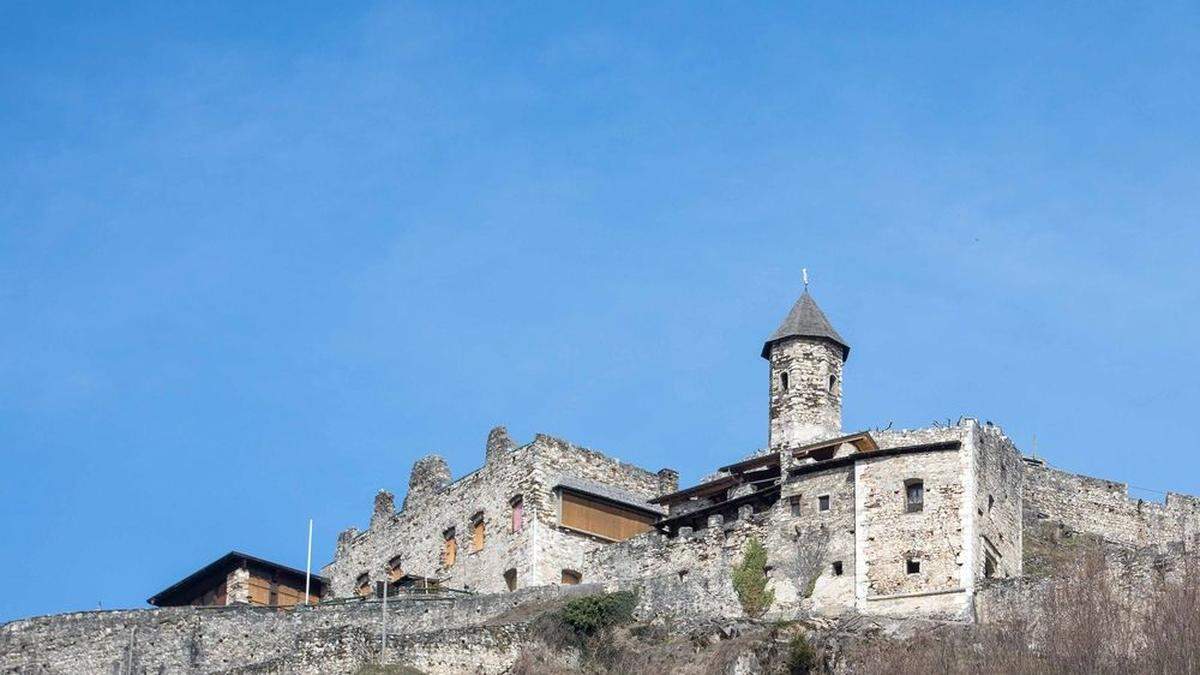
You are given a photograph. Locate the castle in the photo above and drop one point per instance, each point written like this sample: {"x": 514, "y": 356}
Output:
{"x": 946, "y": 522}
{"x": 883, "y": 522}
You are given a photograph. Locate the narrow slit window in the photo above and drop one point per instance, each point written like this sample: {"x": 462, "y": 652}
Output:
{"x": 477, "y": 532}
{"x": 783, "y": 381}
{"x": 449, "y": 548}
{"x": 510, "y": 579}
{"x": 832, "y": 382}
{"x": 914, "y": 495}
{"x": 518, "y": 513}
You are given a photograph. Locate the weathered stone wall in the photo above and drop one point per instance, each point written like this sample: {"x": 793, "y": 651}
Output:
{"x": 898, "y": 438}
{"x": 218, "y": 639}
{"x": 538, "y": 552}
{"x": 1104, "y": 508}
{"x": 997, "y": 505}
{"x": 888, "y": 535}
{"x": 814, "y": 539}
{"x": 809, "y": 408}
{"x": 450, "y": 634}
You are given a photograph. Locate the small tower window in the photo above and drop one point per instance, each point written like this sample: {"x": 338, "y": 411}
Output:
{"x": 837, "y": 568}
{"x": 510, "y": 579}
{"x": 832, "y": 382}
{"x": 912, "y": 566}
{"x": 518, "y": 513}
{"x": 794, "y": 503}
{"x": 477, "y": 531}
{"x": 783, "y": 381}
{"x": 914, "y": 495}
{"x": 823, "y": 503}
{"x": 449, "y": 548}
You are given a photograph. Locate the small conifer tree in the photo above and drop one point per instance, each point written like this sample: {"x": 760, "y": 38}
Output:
{"x": 750, "y": 580}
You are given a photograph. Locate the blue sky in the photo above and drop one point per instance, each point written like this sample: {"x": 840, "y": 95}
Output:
{"x": 256, "y": 258}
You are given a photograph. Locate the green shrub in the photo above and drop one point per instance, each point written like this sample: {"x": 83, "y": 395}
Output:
{"x": 801, "y": 657}
{"x": 592, "y": 613}
{"x": 750, "y": 580}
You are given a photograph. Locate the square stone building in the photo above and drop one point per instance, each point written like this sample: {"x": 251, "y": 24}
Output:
{"x": 905, "y": 522}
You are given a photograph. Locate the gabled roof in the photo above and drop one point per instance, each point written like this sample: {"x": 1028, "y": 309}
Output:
{"x": 806, "y": 320}
{"x": 862, "y": 441}
{"x": 222, "y": 566}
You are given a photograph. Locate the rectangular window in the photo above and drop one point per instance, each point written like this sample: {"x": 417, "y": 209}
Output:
{"x": 602, "y": 519}
{"x": 518, "y": 513}
{"x": 477, "y": 532}
{"x": 783, "y": 381}
{"x": 914, "y": 495}
{"x": 363, "y": 585}
{"x": 912, "y": 566}
{"x": 394, "y": 571}
{"x": 794, "y": 502}
{"x": 823, "y": 503}
{"x": 837, "y": 568}
{"x": 449, "y": 548}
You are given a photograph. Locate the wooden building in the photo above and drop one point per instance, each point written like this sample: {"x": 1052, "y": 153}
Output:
{"x": 238, "y": 578}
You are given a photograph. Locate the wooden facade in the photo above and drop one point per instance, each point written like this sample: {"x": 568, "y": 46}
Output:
{"x": 268, "y": 584}
{"x": 602, "y": 518}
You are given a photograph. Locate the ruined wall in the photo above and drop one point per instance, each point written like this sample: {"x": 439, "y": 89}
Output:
{"x": 538, "y": 552}
{"x": 898, "y": 438}
{"x": 1104, "y": 508}
{"x": 998, "y": 529}
{"x": 888, "y": 535}
{"x": 808, "y": 409}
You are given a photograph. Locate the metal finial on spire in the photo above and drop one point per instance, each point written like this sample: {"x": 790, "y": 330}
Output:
{"x": 804, "y": 273}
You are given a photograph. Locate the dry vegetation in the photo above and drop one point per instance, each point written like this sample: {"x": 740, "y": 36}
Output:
{"x": 1088, "y": 622}
{"x": 1091, "y": 621}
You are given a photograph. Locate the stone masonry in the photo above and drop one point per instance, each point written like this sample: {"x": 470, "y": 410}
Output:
{"x": 942, "y": 522}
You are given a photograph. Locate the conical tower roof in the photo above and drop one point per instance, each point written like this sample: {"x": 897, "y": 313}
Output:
{"x": 806, "y": 320}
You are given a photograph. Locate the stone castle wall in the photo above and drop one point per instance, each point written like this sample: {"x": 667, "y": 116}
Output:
{"x": 436, "y": 634}
{"x": 889, "y": 536}
{"x": 998, "y": 496}
{"x": 220, "y": 639}
{"x": 1104, "y": 508}
{"x": 538, "y": 552}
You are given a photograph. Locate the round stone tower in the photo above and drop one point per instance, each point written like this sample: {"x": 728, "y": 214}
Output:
{"x": 806, "y": 356}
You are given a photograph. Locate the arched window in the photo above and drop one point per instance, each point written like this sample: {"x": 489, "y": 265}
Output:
{"x": 783, "y": 381}
{"x": 571, "y": 577}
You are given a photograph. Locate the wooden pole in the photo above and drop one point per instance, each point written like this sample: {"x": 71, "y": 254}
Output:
{"x": 308, "y": 565}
